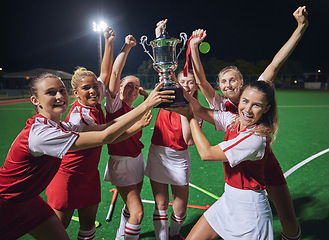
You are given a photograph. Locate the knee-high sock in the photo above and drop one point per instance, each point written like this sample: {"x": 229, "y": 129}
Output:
{"x": 87, "y": 235}
{"x": 176, "y": 224}
{"x": 160, "y": 222}
{"x": 132, "y": 231}
{"x": 124, "y": 219}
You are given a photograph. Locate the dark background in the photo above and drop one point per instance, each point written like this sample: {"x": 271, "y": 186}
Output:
{"x": 58, "y": 34}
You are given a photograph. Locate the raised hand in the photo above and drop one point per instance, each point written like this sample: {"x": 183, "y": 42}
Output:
{"x": 301, "y": 16}
{"x": 198, "y": 36}
{"x": 130, "y": 41}
{"x": 109, "y": 34}
{"x": 159, "y": 26}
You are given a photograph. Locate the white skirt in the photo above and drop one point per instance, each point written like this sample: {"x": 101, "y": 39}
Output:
{"x": 241, "y": 214}
{"x": 125, "y": 171}
{"x": 169, "y": 166}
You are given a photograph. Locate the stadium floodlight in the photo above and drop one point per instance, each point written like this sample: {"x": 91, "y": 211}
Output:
{"x": 99, "y": 27}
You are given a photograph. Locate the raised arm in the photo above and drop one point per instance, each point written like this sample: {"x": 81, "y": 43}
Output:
{"x": 200, "y": 77}
{"x": 107, "y": 62}
{"x": 159, "y": 26}
{"x": 119, "y": 63}
{"x": 302, "y": 22}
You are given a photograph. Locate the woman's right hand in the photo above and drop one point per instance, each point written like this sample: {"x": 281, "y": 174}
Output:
{"x": 156, "y": 97}
{"x": 198, "y": 36}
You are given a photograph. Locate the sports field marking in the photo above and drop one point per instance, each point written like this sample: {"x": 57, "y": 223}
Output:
{"x": 304, "y": 106}
{"x": 204, "y": 191}
{"x": 299, "y": 165}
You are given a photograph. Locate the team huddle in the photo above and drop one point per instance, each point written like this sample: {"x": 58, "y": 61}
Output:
{"x": 63, "y": 156}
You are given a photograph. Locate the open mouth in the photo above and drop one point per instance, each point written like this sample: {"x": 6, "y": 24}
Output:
{"x": 247, "y": 116}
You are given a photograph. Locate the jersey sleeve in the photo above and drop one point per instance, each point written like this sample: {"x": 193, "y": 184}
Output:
{"x": 223, "y": 120}
{"x": 261, "y": 78}
{"x": 51, "y": 140}
{"x": 113, "y": 104}
{"x": 102, "y": 90}
{"x": 81, "y": 116}
{"x": 219, "y": 102}
{"x": 246, "y": 146}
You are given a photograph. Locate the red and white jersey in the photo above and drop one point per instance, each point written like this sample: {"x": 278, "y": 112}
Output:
{"x": 168, "y": 130}
{"x": 223, "y": 103}
{"x": 247, "y": 153}
{"x": 130, "y": 147}
{"x": 84, "y": 160}
{"x": 34, "y": 157}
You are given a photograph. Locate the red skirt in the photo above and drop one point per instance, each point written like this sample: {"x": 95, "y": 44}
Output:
{"x": 74, "y": 190}
{"x": 19, "y": 218}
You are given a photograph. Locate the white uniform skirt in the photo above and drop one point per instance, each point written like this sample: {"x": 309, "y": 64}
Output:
{"x": 169, "y": 166}
{"x": 125, "y": 171}
{"x": 241, "y": 214}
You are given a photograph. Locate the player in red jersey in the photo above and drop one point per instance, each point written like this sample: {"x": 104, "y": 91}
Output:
{"x": 76, "y": 184}
{"x": 230, "y": 82}
{"x": 243, "y": 211}
{"x": 125, "y": 168}
{"x": 35, "y": 157}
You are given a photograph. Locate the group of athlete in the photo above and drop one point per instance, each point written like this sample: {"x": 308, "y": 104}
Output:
{"x": 64, "y": 156}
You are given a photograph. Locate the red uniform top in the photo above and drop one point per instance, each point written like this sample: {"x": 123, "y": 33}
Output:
{"x": 130, "y": 147}
{"x": 34, "y": 157}
{"x": 273, "y": 172}
{"x": 248, "y": 154}
{"x": 84, "y": 160}
{"x": 168, "y": 131}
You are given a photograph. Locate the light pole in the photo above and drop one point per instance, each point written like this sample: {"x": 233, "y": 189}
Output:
{"x": 99, "y": 27}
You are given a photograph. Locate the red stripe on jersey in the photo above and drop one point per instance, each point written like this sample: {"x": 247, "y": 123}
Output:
{"x": 236, "y": 143}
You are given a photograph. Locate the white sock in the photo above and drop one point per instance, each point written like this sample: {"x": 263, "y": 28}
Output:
{"x": 87, "y": 235}
{"x": 124, "y": 219}
{"x": 132, "y": 231}
{"x": 176, "y": 224}
{"x": 160, "y": 222}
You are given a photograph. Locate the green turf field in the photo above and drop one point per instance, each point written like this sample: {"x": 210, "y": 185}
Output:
{"x": 304, "y": 132}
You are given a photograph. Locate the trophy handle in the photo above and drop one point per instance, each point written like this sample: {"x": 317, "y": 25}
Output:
{"x": 183, "y": 37}
{"x": 143, "y": 42}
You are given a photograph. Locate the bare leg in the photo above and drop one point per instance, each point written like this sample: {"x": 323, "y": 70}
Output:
{"x": 281, "y": 199}
{"x": 202, "y": 231}
{"x": 179, "y": 199}
{"x": 131, "y": 196}
{"x": 87, "y": 217}
{"x": 51, "y": 229}
{"x": 161, "y": 195}
{"x": 64, "y": 216}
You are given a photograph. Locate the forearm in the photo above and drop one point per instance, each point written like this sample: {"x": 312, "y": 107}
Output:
{"x": 200, "y": 76}
{"x": 107, "y": 62}
{"x": 206, "y": 151}
{"x": 130, "y": 132}
{"x": 118, "y": 65}
{"x": 283, "y": 54}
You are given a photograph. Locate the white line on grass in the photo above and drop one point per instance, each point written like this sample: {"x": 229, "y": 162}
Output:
{"x": 299, "y": 165}
{"x": 304, "y": 106}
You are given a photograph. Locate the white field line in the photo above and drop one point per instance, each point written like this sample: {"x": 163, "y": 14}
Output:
{"x": 299, "y": 165}
{"x": 304, "y": 106}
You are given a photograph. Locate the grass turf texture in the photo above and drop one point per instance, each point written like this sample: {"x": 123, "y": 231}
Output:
{"x": 304, "y": 131}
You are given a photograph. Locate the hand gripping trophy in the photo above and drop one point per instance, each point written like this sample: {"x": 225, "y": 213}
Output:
{"x": 165, "y": 61}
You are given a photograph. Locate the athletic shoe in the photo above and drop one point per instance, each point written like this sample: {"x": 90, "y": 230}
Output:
{"x": 176, "y": 237}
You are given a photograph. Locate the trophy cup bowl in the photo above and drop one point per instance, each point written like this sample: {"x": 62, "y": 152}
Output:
{"x": 165, "y": 61}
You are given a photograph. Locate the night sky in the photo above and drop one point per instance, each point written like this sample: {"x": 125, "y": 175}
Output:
{"x": 58, "y": 34}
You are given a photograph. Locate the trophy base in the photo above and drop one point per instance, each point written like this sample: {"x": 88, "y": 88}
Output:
{"x": 179, "y": 100}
